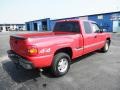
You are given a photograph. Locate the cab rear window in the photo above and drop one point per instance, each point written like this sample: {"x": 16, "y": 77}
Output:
{"x": 67, "y": 27}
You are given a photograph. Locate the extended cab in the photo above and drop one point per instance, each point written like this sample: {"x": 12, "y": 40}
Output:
{"x": 55, "y": 50}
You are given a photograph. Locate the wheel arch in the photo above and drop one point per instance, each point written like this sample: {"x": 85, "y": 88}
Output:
{"x": 67, "y": 50}
{"x": 108, "y": 38}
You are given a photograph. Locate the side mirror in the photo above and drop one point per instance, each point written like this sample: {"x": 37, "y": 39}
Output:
{"x": 104, "y": 30}
{"x": 101, "y": 30}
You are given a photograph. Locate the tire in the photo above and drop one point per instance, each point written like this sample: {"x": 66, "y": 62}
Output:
{"x": 106, "y": 46}
{"x": 61, "y": 64}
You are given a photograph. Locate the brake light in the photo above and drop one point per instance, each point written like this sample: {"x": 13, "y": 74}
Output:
{"x": 32, "y": 50}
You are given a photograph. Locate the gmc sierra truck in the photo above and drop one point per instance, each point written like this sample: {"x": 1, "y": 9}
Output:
{"x": 57, "y": 49}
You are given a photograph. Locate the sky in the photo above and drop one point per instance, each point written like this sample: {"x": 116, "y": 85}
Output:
{"x": 21, "y": 11}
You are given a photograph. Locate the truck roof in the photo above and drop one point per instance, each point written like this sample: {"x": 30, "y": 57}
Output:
{"x": 67, "y": 20}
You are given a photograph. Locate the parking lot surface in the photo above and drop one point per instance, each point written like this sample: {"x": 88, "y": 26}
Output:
{"x": 95, "y": 71}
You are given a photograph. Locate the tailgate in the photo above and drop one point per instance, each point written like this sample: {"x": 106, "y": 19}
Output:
{"x": 18, "y": 45}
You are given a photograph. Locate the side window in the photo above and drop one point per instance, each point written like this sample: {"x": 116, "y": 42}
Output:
{"x": 87, "y": 28}
{"x": 119, "y": 24}
{"x": 95, "y": 28}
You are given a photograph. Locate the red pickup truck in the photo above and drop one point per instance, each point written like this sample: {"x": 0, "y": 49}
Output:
{"x": 55, "y": 50}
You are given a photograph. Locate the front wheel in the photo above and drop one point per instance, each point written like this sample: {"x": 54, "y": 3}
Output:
{"x": 61, "y": 64}
{"x": 106, "y": 46}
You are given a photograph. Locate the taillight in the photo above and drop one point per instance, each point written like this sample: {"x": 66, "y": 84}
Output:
{"x": 32, "y": 50}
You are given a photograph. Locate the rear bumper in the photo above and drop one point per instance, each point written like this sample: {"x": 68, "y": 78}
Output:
{"x": 30, "y": 62}
{"x": 19, "y": 60}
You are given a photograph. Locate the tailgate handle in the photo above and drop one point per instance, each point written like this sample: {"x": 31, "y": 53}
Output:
{"x": 95, "y": 36}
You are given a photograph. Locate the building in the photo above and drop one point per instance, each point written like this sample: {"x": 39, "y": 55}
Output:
{"x": 12, "y": 27}
{"x": 39, "y": 25}
{"x": 109, "y": 21}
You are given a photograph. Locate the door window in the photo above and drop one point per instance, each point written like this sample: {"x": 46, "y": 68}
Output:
{"x": 95, "y": 28}
{"x": 87, "y": 28}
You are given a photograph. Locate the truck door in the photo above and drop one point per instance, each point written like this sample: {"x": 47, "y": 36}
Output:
{"x": 89, "y": 38}
{"x": 99, "y": 37}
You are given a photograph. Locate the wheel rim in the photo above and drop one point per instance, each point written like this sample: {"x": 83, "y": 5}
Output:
{"x": 106, "y": 46}
{"x": 63, "y": 65}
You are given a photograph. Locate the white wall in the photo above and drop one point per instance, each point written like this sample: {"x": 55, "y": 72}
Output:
{"x": 13, "y": 27}
{"x": 116, "y": 26}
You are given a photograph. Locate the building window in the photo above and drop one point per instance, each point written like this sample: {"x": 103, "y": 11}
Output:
{"x": 1, "y": 28}
{"x": 100, "y": 17}
{"x": 19, "y": 27}
{"x": 7, "y": 28}
{"x": 28, "y": 26}
{"x": 119, "y": 24}
{"x": 115, "y": 17}
{"x": 87, "y": 28}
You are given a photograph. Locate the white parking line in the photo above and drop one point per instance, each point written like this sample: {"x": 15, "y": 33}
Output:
{"x": 114, "y": 46}
{"x": 3, "y": 58}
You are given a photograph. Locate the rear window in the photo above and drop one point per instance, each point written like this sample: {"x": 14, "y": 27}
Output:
{"x": 67, "y": 27}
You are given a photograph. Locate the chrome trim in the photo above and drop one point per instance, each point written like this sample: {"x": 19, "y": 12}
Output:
{"x": 91, "y": 45}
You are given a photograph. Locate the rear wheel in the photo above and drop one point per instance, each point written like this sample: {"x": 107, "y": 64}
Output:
{"x": 106, "y": 46}
{"x": 61, "y": 64}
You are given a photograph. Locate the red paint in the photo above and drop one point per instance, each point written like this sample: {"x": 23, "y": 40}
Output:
{"x": 48, "y": 43}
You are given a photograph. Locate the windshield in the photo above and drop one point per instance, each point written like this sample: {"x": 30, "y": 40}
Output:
{"x": 67, "y": 27}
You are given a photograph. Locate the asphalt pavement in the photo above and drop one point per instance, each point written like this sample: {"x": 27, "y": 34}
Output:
{"x": 95, "y": 71}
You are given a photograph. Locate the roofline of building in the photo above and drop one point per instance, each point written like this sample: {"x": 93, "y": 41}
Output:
{"x": 87, "y": 15}
{"x": 104, "y": 13}
{"x": 12, "y": 24}
{"x": 74, "y": 17}
{"x": 37, "y": 20}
